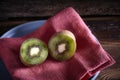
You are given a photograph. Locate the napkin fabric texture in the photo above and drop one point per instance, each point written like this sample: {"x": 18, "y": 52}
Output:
{"x": 89, "y": 57}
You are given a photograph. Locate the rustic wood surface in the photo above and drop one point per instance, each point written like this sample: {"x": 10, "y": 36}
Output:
{"x": 102, "y": 17}
{"x": 45, "y": 8}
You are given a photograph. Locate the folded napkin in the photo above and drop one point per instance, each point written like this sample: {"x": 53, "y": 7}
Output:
{"x": 89, "y": 57}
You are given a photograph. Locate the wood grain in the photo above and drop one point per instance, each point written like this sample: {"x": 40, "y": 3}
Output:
{"x": 104, "y": 28}
{"x": 43, "y": 8}
{"x": 113, "y": 72}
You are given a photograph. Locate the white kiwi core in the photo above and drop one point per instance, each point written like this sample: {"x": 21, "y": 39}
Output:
{"x": 34, "y": 51}
{"x": 61, "y": 47}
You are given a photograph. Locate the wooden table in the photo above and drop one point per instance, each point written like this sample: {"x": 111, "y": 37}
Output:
{"x": 102, "y": 17}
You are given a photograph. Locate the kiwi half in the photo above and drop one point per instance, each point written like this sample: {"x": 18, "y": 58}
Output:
{"x": 62, "y": 45}
{"x": 33, "y": 52}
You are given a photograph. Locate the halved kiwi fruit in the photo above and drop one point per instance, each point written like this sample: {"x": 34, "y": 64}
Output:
{"x": 33, "y": 51}
{"x": 62, "y": 45}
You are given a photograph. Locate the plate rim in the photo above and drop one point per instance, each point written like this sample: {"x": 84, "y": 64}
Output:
{"x": 19, "y": 26}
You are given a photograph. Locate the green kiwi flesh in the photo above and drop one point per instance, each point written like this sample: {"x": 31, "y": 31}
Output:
{"x": 33, "y": 51}
{"x": 62, "y": 45}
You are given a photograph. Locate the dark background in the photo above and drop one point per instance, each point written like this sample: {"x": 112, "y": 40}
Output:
{"x": 47, "y": 8}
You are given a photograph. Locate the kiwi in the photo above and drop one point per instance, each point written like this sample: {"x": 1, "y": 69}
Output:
{"x": 33, "y": 51}
{"x": 62, "y": 45}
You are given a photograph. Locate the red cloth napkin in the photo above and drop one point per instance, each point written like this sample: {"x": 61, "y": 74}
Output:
{"x": 89, "y": 57}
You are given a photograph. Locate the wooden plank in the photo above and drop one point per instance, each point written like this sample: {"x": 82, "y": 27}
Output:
{"x": 104, "y": 28}
{"x": 112, "y": 72}
{"x": 38, "y": 8}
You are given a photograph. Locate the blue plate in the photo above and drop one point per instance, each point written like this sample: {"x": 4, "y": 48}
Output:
{"x": 19, "y": 31}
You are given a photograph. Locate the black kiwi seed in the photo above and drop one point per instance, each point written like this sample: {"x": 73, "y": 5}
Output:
{"x": 62, "y": 45}
{"x": 33, "y": 52}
